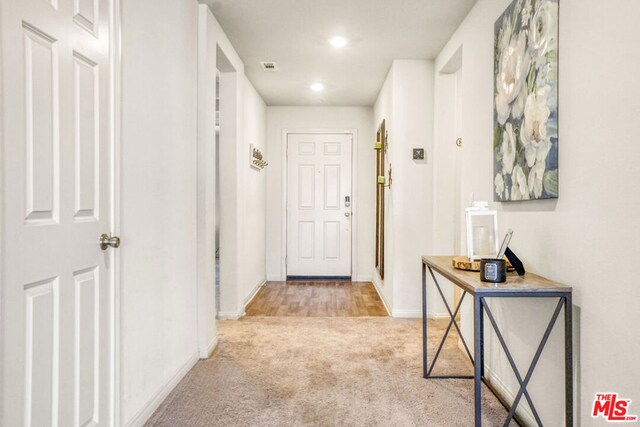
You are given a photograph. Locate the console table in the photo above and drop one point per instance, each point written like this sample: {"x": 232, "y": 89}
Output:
{"x": 528, "y": 286}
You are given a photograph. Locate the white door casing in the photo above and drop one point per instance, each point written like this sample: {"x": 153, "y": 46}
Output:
{"x": 319, "y": 222}
{"x": 57, "y": 172}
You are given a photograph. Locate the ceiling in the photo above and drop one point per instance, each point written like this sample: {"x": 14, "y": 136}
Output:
{"x": 295, "y": 34}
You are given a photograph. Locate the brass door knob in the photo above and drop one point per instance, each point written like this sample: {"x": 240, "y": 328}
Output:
{"x": 106, "y": 241}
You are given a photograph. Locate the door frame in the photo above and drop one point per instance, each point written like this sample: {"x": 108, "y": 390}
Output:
{"x": 2, "y": 199}
{"x": 115, "y": 107}
{"x": 354, "y": 191}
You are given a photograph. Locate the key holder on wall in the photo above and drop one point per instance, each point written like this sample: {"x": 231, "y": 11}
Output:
{"x": 381, "y": 146}
{"x": 388, "y": 185}
{"x": 386, "y": 180}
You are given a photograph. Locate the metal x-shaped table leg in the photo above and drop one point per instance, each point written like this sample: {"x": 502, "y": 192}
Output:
{"x": 525, "y": 382}
{"x": 444, "y": 338}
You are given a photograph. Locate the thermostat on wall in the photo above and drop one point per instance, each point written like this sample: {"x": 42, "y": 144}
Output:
{"x": 418, "y": 154}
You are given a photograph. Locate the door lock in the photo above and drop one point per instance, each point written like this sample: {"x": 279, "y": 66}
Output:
{"x": 107, "y": 240}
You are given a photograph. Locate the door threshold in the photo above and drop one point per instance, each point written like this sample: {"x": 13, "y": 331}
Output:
{"x": 317, "y": 278}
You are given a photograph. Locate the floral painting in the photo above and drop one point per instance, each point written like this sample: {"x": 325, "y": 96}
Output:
{"x": 525, "y": 140}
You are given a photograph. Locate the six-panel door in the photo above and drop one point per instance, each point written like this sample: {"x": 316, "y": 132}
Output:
{"x": 319, "y": 205}
{"x": 56, "y": 312}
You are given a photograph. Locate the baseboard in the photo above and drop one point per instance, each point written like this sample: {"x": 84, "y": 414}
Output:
{"x": 253, "y": 294}
{"x": 235, "y": 315}
{"x": 382, "y": 297}
{"x": 230, "y": 315}
{"x": 281, "y": 278}
{"x": 523, "y": 412}
{"x": 150, "y": 407}
{"x": 210, "y": 348}
{"x": 407, "y": 314}
{"x": 437, "y": 316}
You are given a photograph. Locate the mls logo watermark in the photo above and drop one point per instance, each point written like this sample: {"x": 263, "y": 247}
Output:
{"x": 612, "y": 408}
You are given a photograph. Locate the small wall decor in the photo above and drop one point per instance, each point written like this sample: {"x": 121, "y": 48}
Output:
{"x": 525, "y": 137}
{"x": 256, "y": 159}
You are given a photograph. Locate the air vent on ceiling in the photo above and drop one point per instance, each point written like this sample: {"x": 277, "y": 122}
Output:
{"x": 269, "y": 66}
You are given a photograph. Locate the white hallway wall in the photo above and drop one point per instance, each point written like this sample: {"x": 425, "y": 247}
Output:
{"x": 243, "y": 188}
{"x": 206, "y": 172}
{"x": 159, "y": 198}
{"x": 578, "y": 238}
{"x": 254, "y": 192}
{"x": 406, "y": 103}
{"x": 300, "y": 118}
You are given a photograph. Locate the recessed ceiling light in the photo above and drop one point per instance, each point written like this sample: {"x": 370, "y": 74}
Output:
{"x": 317, "y": 87}
{"x": 338, "y": 41}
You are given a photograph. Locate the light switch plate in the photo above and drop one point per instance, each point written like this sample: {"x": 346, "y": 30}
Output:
{"x": 418, "y": 154}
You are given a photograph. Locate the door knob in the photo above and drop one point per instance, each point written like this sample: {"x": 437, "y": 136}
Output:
{"x": 347, "y": 214}
{"x": 106, "y": 241}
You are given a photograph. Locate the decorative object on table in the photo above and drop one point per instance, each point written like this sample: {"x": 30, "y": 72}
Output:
{"x": 505, "y": 243}
{"x": 464, "y": 263}
{"x": 513, "y": 259}
{"x": 381, "y": 183}
{"x": 482, "y": 231}
{"x": 493, "y": 270}
{"x": 256, "y": 159}
{"x": 525, "y": 136}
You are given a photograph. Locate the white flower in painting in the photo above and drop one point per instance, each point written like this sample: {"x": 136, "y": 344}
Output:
{"x": 542, "y": 151}
{"x": 547, "y": 76}
{"x": 508, "y": 149}
{"x": 504, "y": 36}
{"x": 517, "y": 108}
{"x": 534, "y": 126}
{"x": 513, "y": 68}
{"x": 544, "y": 28}
{"x": 519, "y": 186}
{"x": 536, "y": 174}
{"x": 499, "y": 185}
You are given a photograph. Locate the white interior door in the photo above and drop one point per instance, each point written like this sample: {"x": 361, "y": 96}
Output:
{"x": 319, "y": 204}
{"x": 56, "y": 313}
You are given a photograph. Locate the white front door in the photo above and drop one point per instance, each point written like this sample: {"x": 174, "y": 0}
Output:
{"x": 319, "y": 205}
{"x": 56, "y": 135}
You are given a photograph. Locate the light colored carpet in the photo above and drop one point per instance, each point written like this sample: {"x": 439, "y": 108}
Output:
{"x": 292, "y": 371}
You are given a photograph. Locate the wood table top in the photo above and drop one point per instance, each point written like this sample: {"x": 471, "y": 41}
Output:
{"x": 470, "y": 280}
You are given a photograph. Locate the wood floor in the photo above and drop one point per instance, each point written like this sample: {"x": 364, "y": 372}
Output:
{"x": 317, "y": 299}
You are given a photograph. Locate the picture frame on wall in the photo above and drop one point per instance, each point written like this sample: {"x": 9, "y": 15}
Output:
{"x": 525, "y": 137}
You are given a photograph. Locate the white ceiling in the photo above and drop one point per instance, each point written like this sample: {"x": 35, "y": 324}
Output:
{"x": 295, "y": 33}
